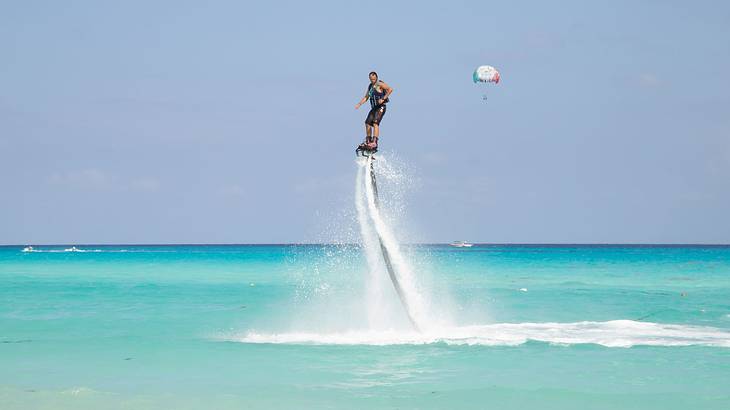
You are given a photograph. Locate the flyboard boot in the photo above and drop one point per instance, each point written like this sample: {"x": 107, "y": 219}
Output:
{"x": 367, "y": 148}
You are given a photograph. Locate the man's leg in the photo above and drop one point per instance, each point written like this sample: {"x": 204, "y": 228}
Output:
{"x": 376, "y": 134}
{"x": 369, "y": 122}
{"x": 376, "y": 124}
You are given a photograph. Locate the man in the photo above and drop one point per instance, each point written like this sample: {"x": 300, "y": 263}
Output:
{"x": 378, "y": 93}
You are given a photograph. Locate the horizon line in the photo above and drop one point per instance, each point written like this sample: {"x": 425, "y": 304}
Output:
{"x": 407, "y": 243}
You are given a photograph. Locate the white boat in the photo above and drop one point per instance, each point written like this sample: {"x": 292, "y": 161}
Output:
{"x": 72, "y": 249}
{"x": 28, "y": 249}
{"x": 461, "y": 244}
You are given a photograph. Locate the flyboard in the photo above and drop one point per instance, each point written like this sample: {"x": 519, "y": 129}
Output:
{"x": 363, "y": 151}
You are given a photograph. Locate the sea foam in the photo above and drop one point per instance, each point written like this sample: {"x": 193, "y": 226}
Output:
{"x": 614, "y": 333}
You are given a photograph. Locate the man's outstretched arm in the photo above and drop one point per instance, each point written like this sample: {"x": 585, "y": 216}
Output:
{"x": 365, "y": 98}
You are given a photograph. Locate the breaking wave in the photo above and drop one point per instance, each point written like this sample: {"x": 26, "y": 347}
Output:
{"x": 614, "y": 333}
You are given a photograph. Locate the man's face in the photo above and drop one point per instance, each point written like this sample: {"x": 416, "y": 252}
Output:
{"x": 373, "y": 78}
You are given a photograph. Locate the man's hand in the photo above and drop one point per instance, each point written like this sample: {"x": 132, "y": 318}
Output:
{"x": 357, "y": 106}
{"x": 380, "y": 102}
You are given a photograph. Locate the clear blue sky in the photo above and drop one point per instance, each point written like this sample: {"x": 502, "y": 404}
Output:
{"x": 234, "y": 122}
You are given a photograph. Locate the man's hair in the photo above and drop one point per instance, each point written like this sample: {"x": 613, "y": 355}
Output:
{"x": 373, "y": 73}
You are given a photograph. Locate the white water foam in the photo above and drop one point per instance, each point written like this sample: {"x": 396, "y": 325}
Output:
{"x": 64, "y": 250}
{"x": 382, "y": 304}
{"x": 76, "y": 250}
{"x": 615, "y": 333}
{"x": 377, "y": 307}
{"x": 413, "y": 300}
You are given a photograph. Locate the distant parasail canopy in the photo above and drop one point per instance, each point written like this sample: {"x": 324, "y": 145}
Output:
{"x": 486, "y": 74}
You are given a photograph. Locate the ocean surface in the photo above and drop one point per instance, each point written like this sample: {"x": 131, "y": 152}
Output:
{"x": 315, "y": 326}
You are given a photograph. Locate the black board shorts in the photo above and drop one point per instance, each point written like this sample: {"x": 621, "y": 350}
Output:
{"x": 375, "y": 115}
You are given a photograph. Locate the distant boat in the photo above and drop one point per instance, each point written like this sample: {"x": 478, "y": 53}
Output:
{"x": 72, "y": 249}
{"x": 28, "y": 249}
{"x": 461, "y": 244}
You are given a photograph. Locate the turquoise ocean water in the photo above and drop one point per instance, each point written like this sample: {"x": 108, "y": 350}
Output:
{"x": 305, "y": 326}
